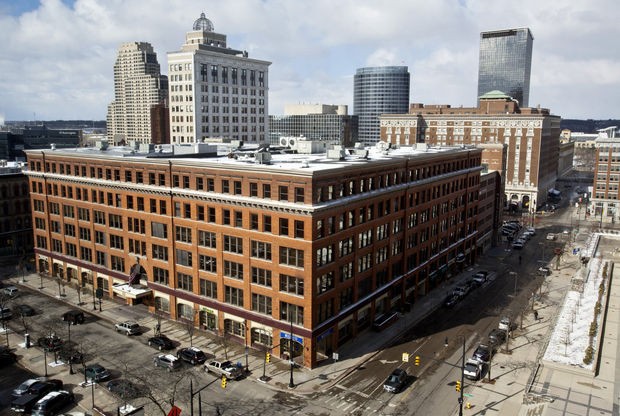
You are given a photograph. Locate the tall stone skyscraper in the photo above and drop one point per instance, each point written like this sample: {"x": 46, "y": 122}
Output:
{"x": 376, "y": 91}
{"x": 138, "y": 85}
{"x": 505, "y": 63}
{"x": 216, "y": 93}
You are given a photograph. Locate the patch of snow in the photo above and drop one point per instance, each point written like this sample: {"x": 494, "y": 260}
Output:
{"x": 570, "y": 337}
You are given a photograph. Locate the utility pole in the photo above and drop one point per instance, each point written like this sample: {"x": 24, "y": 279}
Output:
{"x": 462, "y": 380}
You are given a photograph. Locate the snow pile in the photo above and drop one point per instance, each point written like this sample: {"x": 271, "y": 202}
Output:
{"x": 570, "y": 338}
{"x": 591, "y": 245}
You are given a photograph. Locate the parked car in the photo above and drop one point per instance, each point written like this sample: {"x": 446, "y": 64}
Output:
{"x": 480, "y": 277}
{"x": 192, "y": 355}
{"x": 482, "y": 353}
{"x": 551, "y": 236}
{"x": 96, "y": 372}
{"x": 24, "y": 386}
{"x": 473, "y": 369}
{"x": 127, "y": 327}
{"x": 506, "y": 324}
{"x": 7, "y": 358}
{"x": 24, "y": 310}
{"x": 36, "y": 391}
{"x": 74, "y": 316}
{"x": 460, "y": 291}
{"x": 497, "y": 337}
{"x": 161, "y": 342}
{"x": 460, "y": 258}
{"x": 52, "y": 403}
{"x": 396, "y": 381}
{"x": 517, "y": 245}
{"x": 50, "y": 343}
{"x": 10, "y": 291}
{"x": 125, "y": 389}
{"x": 5, "y": 314}
{"x": 167, "y": 361}
{"x": 451, "y": 300}
{"x": 544, "y": 271}
{"x": 531, "y": 230}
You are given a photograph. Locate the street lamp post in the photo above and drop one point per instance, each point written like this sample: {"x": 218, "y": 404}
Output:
{"x": 41, "y": 285}
{"x": 462, "y": 380}
{"x": 94, "y": 301}
{"x": 515, "y": 275}
{"x": 291, "y": 384}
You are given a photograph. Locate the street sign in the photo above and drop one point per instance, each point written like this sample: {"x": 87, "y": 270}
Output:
{"x": 405, "y": 357}
{"x": 468, "y": 395}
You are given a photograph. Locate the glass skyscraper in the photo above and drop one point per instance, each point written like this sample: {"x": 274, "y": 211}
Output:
{"x": 505, "y": 63}
{"x": 376, "y": 91}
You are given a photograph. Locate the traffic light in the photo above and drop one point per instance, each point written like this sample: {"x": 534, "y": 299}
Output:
{"x": 224, "y": 382}
{"x": 457, "y": 386}
{"x": 417, "y": 360}
{"x": 267, "y": 357}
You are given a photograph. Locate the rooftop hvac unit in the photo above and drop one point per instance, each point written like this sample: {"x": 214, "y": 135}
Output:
{"x": 263, "y": 158}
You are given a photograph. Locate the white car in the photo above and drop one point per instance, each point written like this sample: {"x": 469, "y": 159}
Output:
{"x": 551, "y": 236}
{"x": 11, "y": 291}
{"x": 127, "y": 327}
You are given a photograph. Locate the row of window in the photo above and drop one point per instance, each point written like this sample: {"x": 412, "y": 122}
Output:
{"x": 226, "y": 186}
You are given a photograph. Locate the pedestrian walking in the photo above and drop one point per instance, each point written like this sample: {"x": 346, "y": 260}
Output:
{"x": 536, "y": 315}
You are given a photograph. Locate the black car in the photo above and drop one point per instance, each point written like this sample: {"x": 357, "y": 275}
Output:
{"x": 451, "y": 300}
{"x": 52, "y": 403}
{"x": 497, "y": 337}
{"x": 192, "y": 355}
{"x": 125, "y": 389}
{"x": 161, "y": 342}
{"x": 24, "y": 310}
{"x": 50, "y": 343}
{"x": 7, "y": 358}
{"x": 482, "y": 353}
{"x": 25, "y": 402}
{"x": 74, "y": 316}
{"x": 396, "y": 381}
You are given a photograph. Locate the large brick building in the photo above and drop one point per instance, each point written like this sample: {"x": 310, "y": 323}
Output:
{"x": 532, "y": 137}
{"x": 250, "y": 245}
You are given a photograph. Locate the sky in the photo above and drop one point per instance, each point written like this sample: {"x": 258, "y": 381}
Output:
{"x": 57, "y": 56}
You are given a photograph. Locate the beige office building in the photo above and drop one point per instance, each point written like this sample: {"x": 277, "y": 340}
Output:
{"x": 138, "y": 86}
{"x": 216, "y": 93}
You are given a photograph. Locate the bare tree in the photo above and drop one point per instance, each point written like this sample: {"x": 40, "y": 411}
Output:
{"x": 190, "y": 328}
{"x": 162, "y": 392}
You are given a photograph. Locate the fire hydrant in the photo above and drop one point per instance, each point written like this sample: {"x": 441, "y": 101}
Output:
{"x": 468, "y": 405}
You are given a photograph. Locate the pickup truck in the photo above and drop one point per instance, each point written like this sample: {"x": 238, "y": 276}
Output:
{"x": 223, "y": 368}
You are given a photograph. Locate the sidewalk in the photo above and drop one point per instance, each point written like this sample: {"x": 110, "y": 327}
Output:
{"x": 306, "y": 381}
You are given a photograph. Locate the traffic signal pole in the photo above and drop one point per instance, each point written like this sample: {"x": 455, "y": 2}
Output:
{"x": 462, "y": 380}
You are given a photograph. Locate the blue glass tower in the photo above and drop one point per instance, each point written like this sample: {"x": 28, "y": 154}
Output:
{"x": 376, "y": 91}
{"x": 505, "y": 63}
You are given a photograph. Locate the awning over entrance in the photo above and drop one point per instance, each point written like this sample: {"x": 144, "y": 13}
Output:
{"x": 131, "y": 291}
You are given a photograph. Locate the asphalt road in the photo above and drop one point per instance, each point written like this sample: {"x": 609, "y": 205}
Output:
{"x": 431, "y": 386}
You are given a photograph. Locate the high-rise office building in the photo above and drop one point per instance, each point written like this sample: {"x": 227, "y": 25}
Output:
{"x": 505, "y": 63}
{"x": 216, "y": 93}
{"x": 376, "y": 91}
{"x": 138, "y": 85}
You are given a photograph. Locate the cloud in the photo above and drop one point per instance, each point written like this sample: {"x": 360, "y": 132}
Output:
{"x": 57, "y": 57}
